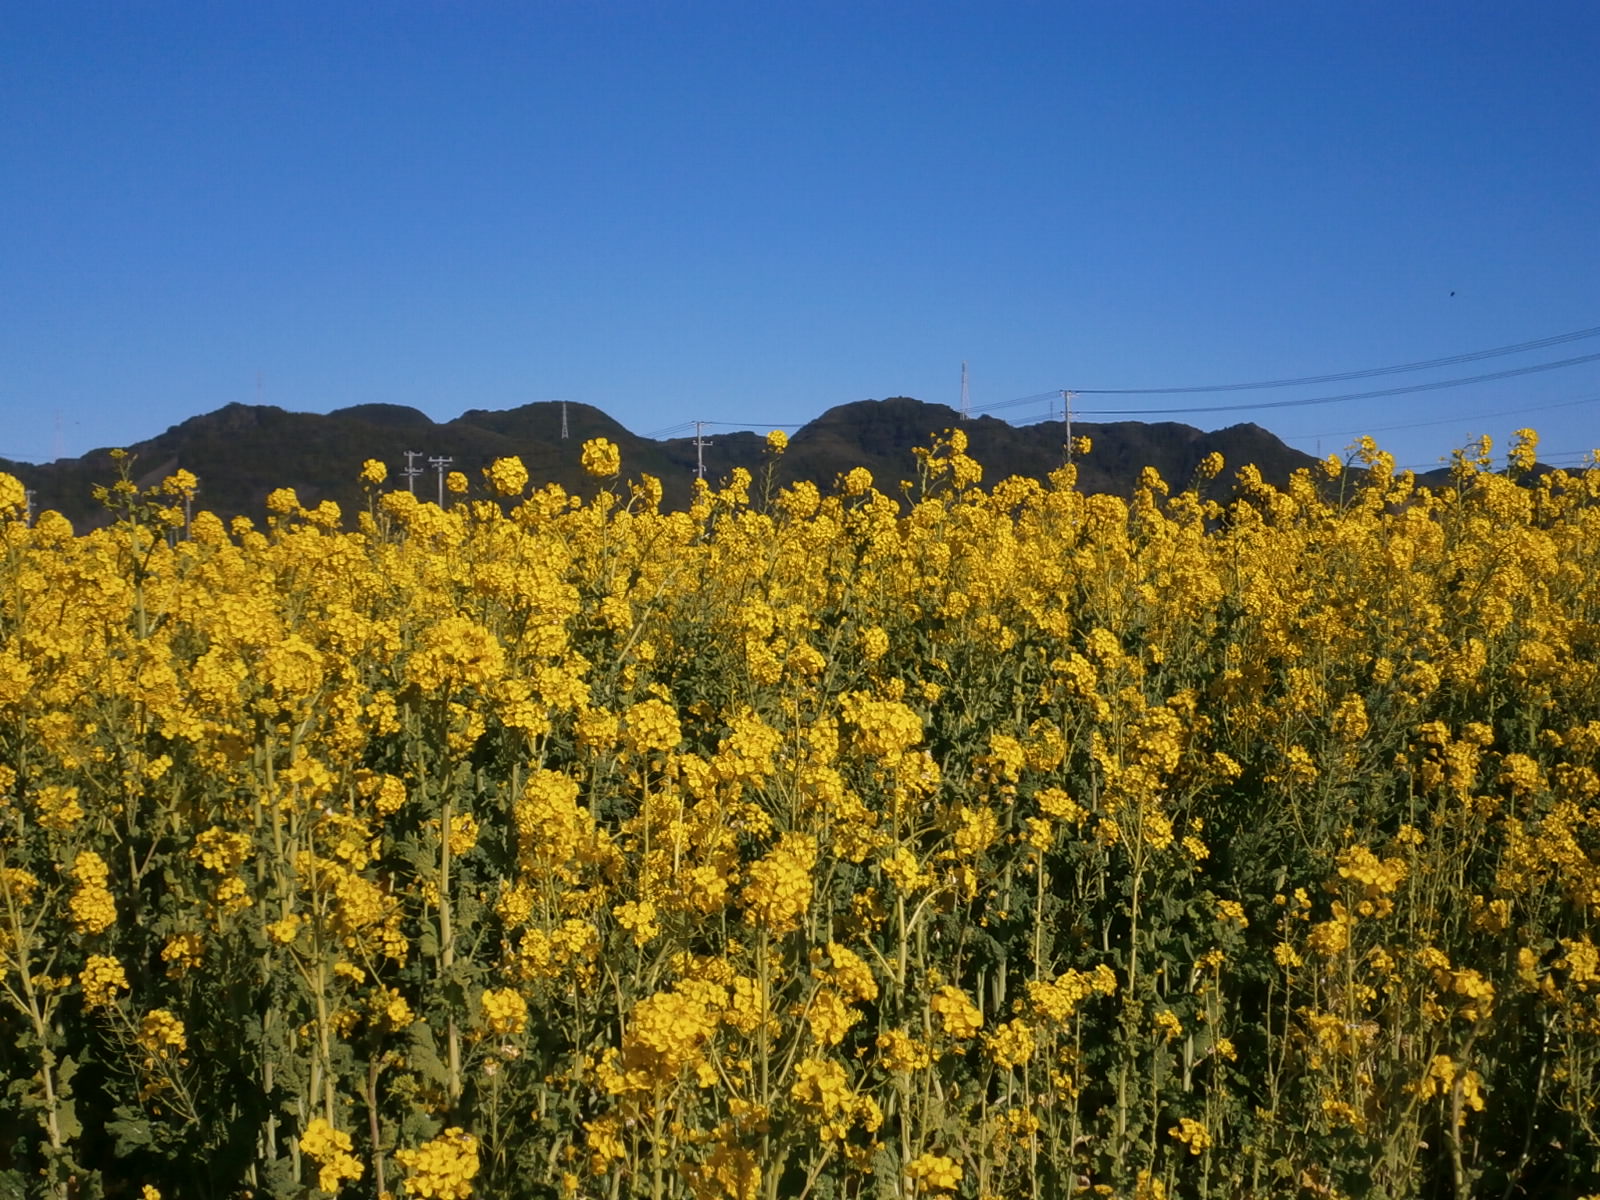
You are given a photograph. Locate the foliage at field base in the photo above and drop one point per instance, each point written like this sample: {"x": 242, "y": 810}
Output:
{"x": 1010, "y": 842}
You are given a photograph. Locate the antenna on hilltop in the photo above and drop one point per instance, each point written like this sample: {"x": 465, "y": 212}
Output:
{"x": 563, "y": 420}
{"x": 966, "y": 396}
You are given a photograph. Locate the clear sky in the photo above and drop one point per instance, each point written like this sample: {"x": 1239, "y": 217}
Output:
{"x": 750, "y": 212}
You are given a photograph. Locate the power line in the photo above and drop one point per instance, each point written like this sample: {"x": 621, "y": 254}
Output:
{"x": 1334, "y": 377}
{"x": 1395, "y": 391}
{"x": 1573, "y": 458}
{"x": 997, "y": 405}
{"x": 1494, "y": 416}
{"x": 670, "y": 431}
{"x": 686, "y": 427}
{"x": 753, "y": 424}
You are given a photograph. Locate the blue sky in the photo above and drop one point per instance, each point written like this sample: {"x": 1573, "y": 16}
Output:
{"x": 752, "y": 212}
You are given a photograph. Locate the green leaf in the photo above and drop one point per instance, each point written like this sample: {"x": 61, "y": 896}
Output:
{"x": 131, "y": 1129}
{"x": 423, "y": 1054}
{"x": 67, "y": 1120}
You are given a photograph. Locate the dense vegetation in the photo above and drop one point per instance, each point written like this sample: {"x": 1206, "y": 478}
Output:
{"x": 1019, "y": 842}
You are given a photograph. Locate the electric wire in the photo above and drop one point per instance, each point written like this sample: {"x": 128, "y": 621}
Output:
{"x": 1179, "y": 410}
{"x": 669, "y": 431}
{"x": 1561, "y": 461}
{"x": 997, "y": 405}
{"x": 1394, "y": 391}
{"x": 1336, "y": 376}
{"x": 1494, "y": 416}
{"x": 756, "y": 424}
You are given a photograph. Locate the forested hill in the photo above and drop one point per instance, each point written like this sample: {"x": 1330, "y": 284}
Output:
{"x": 242, "y": 452}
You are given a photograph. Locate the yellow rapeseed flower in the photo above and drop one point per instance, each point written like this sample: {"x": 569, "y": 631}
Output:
{"x": 601, "y": 458}
{"x": 441, "y": 1169}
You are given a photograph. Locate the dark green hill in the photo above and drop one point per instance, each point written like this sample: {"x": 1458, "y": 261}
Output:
{"x": 242, "y": 452}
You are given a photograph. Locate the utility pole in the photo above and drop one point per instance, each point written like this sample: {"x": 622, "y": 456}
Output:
{"x": 700, "y": 444}
{"x": 412, "y": 470}
{"x": 438, "y": 462}
{"x": 1066, "y": 409}
{"x": 966, "y": 397}
{"x": 27, "y": 497}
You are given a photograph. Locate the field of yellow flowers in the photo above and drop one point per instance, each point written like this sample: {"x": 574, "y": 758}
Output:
{"x": 941, "y": 841}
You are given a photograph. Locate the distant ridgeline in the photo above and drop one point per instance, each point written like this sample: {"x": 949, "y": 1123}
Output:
{"x": 242, "y": 452}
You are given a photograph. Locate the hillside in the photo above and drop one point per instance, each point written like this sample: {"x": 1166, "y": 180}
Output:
{"x": 241, "y": 452}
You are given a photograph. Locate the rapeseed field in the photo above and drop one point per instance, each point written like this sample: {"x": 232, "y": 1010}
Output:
{"x": 943, "y": 840}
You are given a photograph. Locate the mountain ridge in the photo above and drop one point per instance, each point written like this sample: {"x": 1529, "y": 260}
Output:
{"x": 240, "y": 452}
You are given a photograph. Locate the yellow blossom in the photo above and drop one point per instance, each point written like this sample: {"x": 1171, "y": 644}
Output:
{"x": 601, "y": 458}
{"x": 1192, "y": 1134}
{"x": 934, "y": 1172}
{"x": 441, "y": 1169}
{"x": 960, "y": 1017}
{"x": 101, "y": 979}
{"x": 504, "y": 1010}
{"x": 330, "y": 1149}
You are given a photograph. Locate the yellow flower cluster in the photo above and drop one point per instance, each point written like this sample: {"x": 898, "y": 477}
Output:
{"x": 330, "y": 1149}
{"x": 601, "y": 458}
{"x": 779, "y": 890}
{"x": 441, "y": 1169}
{"x": 506, "y": 476}
{"x": 822, "y": 1089}
{"x": 934, "y": 1172}
{"x": 58, "y": 807}
{"x": 1058, "y": 999}
{"x": 1192, "y": 1134}
{"x": 504, "y": 1010}
{"x": 1441, "y": 1080}
{"x": 898, "y": 1051}
{"x": 885, "y": 729}
{"x": 666, "y": 1032}
{"x": 1012, "y": 1044}
{"x": 162, "y": 1034}
{"x": 183, "y": 952}
{"x": 94, "y": 908}
{"x": 102, "y": 978}
{"x": 960, "y": 1017}
{"x": 221, "y": 851}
